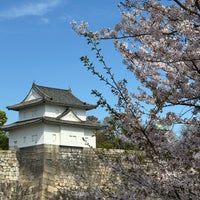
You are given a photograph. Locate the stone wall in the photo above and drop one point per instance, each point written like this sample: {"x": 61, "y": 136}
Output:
{"x": 9, "y": 166}
{"x": 48, "y": 169}
{"x": 21, "y": 173}
{"x": 31, "y": 167}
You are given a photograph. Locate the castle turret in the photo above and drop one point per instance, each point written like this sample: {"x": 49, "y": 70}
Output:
{"x": 51, "y": 116}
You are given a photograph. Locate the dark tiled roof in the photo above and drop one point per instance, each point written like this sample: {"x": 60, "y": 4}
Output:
{"x": 50, "y": 120}
{"x": 54, "y": 96}
{"x": 20, "y": 124}
{"x": 26, "y": 104}
{"x": 85, "y": 124}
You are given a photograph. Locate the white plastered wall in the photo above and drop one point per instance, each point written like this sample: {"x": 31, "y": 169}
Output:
{"x": 26, "y": 136}
{"x": 30, "y": 113}
{"x": 80, "y": 113}
{"x": 52, "y": 134}
{"x": 53, "y": 111}
{"x": 71, "y": 136}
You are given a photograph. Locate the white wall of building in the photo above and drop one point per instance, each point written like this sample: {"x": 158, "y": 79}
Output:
{"x": 52, "y": 134}
{"x": 26, "y": 136}
{"x": 53, "y": 111}
{"x": 37, "y": 134}
{"x": 30, "y": 113}
{"x": 50, "y": 111}
{"x": 71, "y": 136}
{"x": 80, "y": 113}
{"x": 90, "y": 137}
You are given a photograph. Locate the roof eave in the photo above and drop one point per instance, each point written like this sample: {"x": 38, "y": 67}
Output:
{"x": 50, "y": 120}
{"x": 20, "y": 124}
{"x": 22, "y": 105}
{"x": 86, "y": 106}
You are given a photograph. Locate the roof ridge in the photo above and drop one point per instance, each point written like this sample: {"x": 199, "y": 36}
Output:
{"x": 56, "y": 96}
{"x": 52, "y": 88}
{"x": 37, "y": 87}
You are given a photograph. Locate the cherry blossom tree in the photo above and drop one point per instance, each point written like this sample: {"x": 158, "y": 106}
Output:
{"x": 160, "y": 45}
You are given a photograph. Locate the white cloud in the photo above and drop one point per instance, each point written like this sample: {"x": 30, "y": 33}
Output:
{"x": 30, "y": 9}
{"x": 44, "y": 20}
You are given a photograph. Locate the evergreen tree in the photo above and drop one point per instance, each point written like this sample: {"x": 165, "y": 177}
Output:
{"x": 3, "y": 136}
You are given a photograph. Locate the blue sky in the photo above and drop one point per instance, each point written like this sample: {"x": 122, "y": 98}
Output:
{"x": 38, "y": 44}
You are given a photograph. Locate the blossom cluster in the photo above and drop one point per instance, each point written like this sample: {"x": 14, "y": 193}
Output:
{"x": 159, "y": 43}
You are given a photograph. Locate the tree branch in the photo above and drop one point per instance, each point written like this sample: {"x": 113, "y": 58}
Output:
{"x": 185, "y": 8}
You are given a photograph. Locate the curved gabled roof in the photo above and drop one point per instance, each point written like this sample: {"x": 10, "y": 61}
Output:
{"x": 54, "y": 96}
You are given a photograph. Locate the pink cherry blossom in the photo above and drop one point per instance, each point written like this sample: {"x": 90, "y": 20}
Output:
{"x": 160, "y": 44}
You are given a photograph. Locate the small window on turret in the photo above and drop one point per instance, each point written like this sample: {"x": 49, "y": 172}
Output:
{"x": 34, "y": 138}
{"x": 72, "y": 138}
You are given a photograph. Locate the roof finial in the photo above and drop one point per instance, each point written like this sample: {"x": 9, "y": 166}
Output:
{"x": 33, "y": 82}
{"x": 70, "y": 90}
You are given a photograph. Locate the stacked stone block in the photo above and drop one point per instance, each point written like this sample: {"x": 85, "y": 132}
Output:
{"x": 44, "y": 170}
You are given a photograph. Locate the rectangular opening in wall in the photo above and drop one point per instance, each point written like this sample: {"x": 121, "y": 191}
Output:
{"x": 34, "y": 139}
{"x": 24, "y": 139}
{"x": 72, "y": 138}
